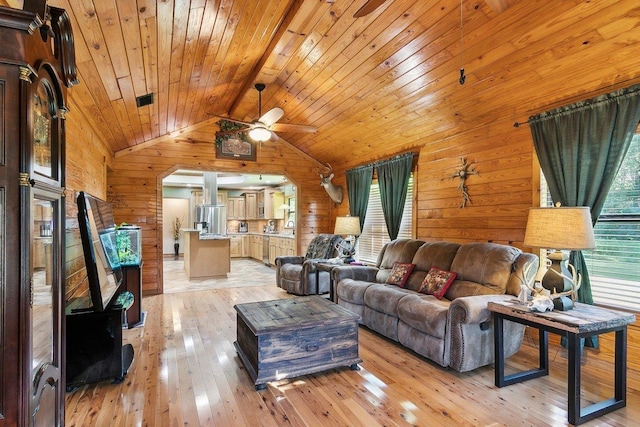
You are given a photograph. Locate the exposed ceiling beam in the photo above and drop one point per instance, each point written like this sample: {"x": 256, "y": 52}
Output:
{"x": 294, "y": 7}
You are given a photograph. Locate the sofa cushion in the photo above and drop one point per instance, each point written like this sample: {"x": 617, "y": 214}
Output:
{"x": 431, "y": 254}
{"x": 436, "y": 282}
{"x": 384, "y": 298}
{"x": 487, "y": 264}
{"x": 400, "y": 273}
{"x": 352, "y": 291}
{"x": 424, "y": 313}
{"x": 401, "y": 250}
{"x": 435, "y": 254}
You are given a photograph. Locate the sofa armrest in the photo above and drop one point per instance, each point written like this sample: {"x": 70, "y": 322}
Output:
{"x": 473, "y": 309}
{"x": 355, "y": 272}
{"x": 470, "y": 332}
{"x": 289, "y": 260}
{"x": 280, "y": 262}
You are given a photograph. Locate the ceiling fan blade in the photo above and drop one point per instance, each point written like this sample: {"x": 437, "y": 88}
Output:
{"x": 368, "y": 7}
{"x": 286, "y": 127}
{"x": 271, "y": 116}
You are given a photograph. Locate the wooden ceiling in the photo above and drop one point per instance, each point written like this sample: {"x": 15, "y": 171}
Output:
{"x": 391, "y": 76}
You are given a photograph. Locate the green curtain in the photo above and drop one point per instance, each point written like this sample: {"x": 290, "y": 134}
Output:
{"x": 358, "y": 186}
{"x": 393, "y": 179}
{"x": 581, "y": 148}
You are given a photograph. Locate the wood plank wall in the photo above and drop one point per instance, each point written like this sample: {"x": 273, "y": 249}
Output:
{"x": 87, "y": 162}
{"x": 134, "y": 188}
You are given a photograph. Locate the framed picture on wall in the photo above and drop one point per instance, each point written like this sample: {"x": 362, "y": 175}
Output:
{"x": 235, "y": 146}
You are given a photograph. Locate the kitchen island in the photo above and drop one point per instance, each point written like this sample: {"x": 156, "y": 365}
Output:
{"x": 206, "y": 255}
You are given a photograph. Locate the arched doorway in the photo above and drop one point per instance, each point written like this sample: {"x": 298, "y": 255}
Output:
{"x": 237, "y": 191}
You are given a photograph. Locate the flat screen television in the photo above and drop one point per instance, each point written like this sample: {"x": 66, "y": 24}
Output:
{"x": 98, "y": 235}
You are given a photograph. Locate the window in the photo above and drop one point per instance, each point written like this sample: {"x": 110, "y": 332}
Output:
{"x": 613, "y": 266}
{"x": 374, "y": 232}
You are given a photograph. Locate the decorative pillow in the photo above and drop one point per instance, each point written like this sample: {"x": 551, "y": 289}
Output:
{"x": 436, "y": 282}
{"x": 400, "y": 273}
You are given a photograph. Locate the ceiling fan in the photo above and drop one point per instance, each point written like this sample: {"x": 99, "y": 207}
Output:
{"x": 368, "y": 7}
{"x": 265, "y": 127}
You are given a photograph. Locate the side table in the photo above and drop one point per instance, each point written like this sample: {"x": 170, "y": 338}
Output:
{"x": 583, "y": 321}
{"x": 325, "y": 266}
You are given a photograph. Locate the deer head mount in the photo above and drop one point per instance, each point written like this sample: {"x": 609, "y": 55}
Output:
{"x": 334, "y": 192}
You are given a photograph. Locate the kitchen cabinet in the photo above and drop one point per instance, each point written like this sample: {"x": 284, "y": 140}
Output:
{"x": 251, "y": 205}
{"x": 246, "y": 246}
{"x": 235, "y": 249}
{"x": 206, "y": 257}
{"x": 256, "y": 247}
{"x": 281, "y": 246}
{"x": 271, "y": 200}
{"x": 197, "y": 198}
{"x": 236, "y": 207}
{"x": 274, "y": 246}
{"x": 267, "y": 207}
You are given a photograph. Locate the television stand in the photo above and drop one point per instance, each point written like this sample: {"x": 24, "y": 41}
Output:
{"x": 94, "y": 348}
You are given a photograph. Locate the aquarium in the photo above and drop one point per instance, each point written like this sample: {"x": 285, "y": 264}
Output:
{"x": 98, "y": 235}
{"x": 129, "y": 243}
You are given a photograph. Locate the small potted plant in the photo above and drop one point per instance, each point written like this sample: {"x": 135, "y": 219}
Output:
{"x": 175, "y": 231}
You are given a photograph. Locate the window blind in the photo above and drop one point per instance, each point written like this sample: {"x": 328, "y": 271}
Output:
{"x": 374, "y": 231}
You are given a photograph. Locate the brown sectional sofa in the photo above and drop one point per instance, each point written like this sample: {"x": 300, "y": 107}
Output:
{"x": 455, "y": 331}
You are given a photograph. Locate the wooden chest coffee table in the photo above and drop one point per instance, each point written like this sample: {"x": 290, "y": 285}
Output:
{"x": 291, "y": 337}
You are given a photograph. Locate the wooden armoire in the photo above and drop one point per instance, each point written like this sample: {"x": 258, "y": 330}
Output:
{"x": 37, "y": 65}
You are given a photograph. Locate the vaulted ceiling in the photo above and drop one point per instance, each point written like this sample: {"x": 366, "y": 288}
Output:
{"x": 390, "y": 76}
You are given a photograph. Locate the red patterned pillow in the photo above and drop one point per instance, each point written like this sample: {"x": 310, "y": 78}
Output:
{"x": 400, "y": 273}
{"x": 436, "y": 282}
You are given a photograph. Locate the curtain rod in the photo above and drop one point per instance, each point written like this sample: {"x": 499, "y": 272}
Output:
{"x": 632, "y": 90}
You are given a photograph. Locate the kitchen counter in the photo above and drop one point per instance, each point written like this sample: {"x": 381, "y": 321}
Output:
{"x": 206, "y": 255}
{"x": 284, "y": 235}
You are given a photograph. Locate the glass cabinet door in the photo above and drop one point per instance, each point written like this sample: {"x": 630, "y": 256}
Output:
{"x": 42, "y": 277}
{"x": 45, "y": 327}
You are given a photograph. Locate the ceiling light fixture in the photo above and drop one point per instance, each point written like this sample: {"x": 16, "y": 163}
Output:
{"x": 260, "y": 134}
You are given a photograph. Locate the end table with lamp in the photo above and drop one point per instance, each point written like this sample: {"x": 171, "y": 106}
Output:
{"x": 560, "y": 228}
{"x": 349, "y": 228}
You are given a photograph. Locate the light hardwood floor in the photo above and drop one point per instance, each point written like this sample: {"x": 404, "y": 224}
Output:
{"x": 186, "y": 373}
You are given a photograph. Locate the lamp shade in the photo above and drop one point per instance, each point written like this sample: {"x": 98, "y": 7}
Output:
{"x": 560, "y": 228}
{"x": 347, "y": 226}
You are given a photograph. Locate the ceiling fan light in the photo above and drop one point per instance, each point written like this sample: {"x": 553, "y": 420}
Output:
{"x": 260, "y": 134}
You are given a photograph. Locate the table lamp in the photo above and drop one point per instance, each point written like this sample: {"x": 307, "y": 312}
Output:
{"x": 560, "y": 228}
{"x": 349, "y": 228}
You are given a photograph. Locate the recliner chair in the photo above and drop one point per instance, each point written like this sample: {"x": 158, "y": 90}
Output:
{"x": 297, "y": 274}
